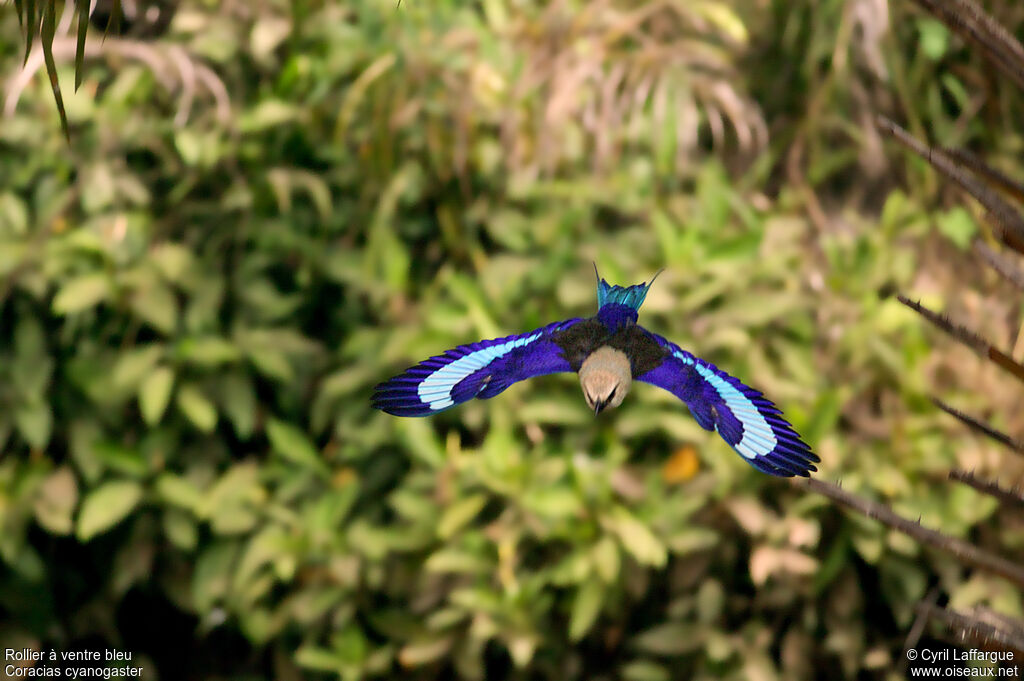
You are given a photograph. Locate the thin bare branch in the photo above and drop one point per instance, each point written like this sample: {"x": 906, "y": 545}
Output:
{"x": 967, "y": 337}
{"x": 914, "y": 635}
{"x": 1007, "y": 224}
{"x": 1007, "y": 496}
{"x": 981, "y": 427}
{"x": 969, "y": 628}
{"x": 992, "y": 175}
{"x": 1000, "y": 263}
{"x": 962, "y": 334}
{"x": 968, "y": 19}
{"x": 960, "y": 549}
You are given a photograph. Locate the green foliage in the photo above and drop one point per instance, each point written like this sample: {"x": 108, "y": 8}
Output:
{"x": 195, "y": 308}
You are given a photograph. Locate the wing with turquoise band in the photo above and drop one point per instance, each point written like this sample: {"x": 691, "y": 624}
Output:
{"x": 481, "y": 369}
{"x": 745, "y": 419}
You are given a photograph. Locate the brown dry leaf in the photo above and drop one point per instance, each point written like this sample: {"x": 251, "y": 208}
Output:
{"x": 752, "y": 516}
{"x": 766, "y": 561}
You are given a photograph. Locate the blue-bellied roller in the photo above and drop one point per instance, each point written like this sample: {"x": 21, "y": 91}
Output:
{"x": 609, "y": 351}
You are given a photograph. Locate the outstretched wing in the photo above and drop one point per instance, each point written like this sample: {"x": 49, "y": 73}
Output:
{"x": 481, "y": 369}
{"x": 749, "y": 422}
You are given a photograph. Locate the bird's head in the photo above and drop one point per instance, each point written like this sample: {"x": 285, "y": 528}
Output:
{"x": 605, "y": 377}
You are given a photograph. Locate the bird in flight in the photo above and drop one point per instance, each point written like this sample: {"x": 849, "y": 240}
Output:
{"x": 609, "y": 351}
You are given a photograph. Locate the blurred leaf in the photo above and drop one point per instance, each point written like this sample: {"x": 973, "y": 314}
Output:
{"x": 155, "y": 393}
{"x": 268, "y": 114}
{"x": 456, "y": 516}
{"x": 267, "y": 34}
{"x": 293, "y": 445}
{"x": 607, "y": 561}
{"x": 35, "y": 423}
{"x": 207, "y": 351}
{"x": 645, "y": 670}
{"x": 173, "y": 261}
{"x": 585, "y": 608}
{"x": 106, "y": 506}
{"x": 318, "y": 659}
{"x": 197, "y": 408}
{"x": 238, "y": 402}
{"x": 135, "y": 365}
{"x": 958, "y": 226}
{"x": 81, "y": 293}
{"x": 766, "y": 561}
{"x": 179, "y": 492}
{"x": 724, "y": 17}
{"x": 458, "y": 562}
{"x": 636, "y": 538}
{"x": 33, "y": 367}
{"x": 56, "y": 500}
{"x": 181, "y": 530}
{"x": 214, "y": 570}
{"x": 419, "y": 653}
{"x": 116, "y": 456}
{"x": 553, "y": 502}
{"x": 156, "y": 304}
{"x": 671, "y": 638}
{"x": 934, "y": 37}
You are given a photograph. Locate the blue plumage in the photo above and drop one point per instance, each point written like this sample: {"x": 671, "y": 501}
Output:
{"x": 631, "y": 296}
{"x": 609, "y": 351}
{"x": 745, "y": 419}
{"x": 481, "y": 369}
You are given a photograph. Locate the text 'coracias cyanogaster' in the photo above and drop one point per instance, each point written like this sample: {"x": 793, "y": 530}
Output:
{"x": 609, "y": 351}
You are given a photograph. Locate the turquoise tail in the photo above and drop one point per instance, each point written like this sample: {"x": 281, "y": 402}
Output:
{"x": 631, "y": 296}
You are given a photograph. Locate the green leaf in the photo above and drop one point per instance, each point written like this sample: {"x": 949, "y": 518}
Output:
{"x": 181, "y": 529}
{"x": 207, "y": 351}
{"x": 238, "y": 402}
{"x": 213, "y": 574}
{"x": 724, "y": 18}
{"x": 46, "y": 40}
{"x": 607, "y": 561}
{"x": 271, "y": 364}
{"x": 636, "y": 538}
{"x": 293, "y": 445}
{"x": 82, "y": 11}
{"x": 317, "y": 659}
{"x": 585, "y": 608}
{"x": 35, "y": 423}
{"x": 934, "y": 38}
{"x": 670, "y": 638}
{"x": 958, "y": 226}
{"x": 157, "y": 306}
{"x": 459, "y": 514}
{"x": 155, "y": 393}
{"x": 645, "y": 670}
{"x": 459, "y": 562}
{"x": 419, "y": 652}
{"x": 106, "y": 506}
{"x": 173, "y": 261}
{"x": 56, "y": 500}
{"x": 269, "y": 113}
{"x": 32, "y": 366}
{"x": 121, "y": 458}
{"x": 552, "y": 501}
{"x": 196, "y": 408}
{"x": 179, "y": 491}
{"x": 136, "y": 364}
{"x": 81, "y": 293}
